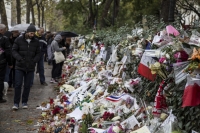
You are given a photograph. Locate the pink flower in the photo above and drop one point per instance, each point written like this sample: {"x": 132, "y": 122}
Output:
{"x": 162, "y": 59}
{"x": 70, "y": 56}
{"x": 92, "y": 131}
{"x": 134, "y": 82}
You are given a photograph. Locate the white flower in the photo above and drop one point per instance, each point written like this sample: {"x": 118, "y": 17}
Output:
{"x": 89, "y": 94}
{"x": 87, "y": 108}
{"x": 167, "y": 56}
{"x": 116, "y": 118}
{"x": 116, "y": 129}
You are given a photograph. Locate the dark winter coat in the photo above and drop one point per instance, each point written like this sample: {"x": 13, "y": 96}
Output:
{"x": 5, "y": 51}
{"x": 26, "y": 54}
{"x": 43, "y": 44}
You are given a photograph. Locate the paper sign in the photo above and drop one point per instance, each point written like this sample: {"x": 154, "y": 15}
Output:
{"x": 123, "y": 75}
{"x": 104, "y": 55}
{"x": 194, "y": 131}
{"x": 131, "y": 122}
{"x": 97, "y": 130}
{"x": 77, "y": 114}
{"x": 144, "y": 129}
{"x": 124, "y": 59}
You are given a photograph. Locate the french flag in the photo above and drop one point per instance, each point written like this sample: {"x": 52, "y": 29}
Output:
{"x": 114, "y": 98}
{"x": 191, "y": 96}
{"x": 143, "y": 68}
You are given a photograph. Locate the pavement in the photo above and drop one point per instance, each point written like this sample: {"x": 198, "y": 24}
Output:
{"x": 24, "y": 120}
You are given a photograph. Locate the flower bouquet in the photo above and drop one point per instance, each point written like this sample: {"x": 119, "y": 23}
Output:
{"x": 195, "y": 61}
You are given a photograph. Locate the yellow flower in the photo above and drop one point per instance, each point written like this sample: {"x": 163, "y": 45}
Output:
{"x": 82, "y": 47}
{"x": 156, "y": 69}
{"x": 97, "y": 51}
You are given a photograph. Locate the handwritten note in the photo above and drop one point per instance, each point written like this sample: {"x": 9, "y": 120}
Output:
{"x": 144, "y": 129}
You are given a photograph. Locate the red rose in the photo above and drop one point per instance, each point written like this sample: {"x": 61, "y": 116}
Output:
{"x": 51, "y": 101}
{"x": 56, "y": 110}
{"x": 43, "y": 128}
{"x": 111, "y": 116}
{"x": 64, "y": 98}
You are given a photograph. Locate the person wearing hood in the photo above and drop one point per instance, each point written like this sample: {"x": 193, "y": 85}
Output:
{"x": 56, "y": 67}
{"x": 8, "y": 34}
{"x": 26, "y": 51}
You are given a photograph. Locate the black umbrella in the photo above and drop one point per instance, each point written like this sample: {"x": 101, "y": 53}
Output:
{"x": 68, "y": 34}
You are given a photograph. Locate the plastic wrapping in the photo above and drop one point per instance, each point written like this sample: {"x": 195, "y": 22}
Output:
{"x": 179, "y": 74}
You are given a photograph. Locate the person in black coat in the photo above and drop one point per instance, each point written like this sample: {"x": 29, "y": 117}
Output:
{"x": 8, "y": 34}
{"x": 43, "y": 49}
{"x": 5, "y": 58}
{"x": 11, "y": 82}
{"x": 26, "y": 51}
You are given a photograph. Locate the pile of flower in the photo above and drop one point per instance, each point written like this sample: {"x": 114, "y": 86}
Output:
{"x": 110, "y": 96}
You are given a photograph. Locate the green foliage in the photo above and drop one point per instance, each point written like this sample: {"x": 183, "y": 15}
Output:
{"x": 188, "y": 117}
{"x": 112, "y": 36}
{"x": 86, "y": 123}
{"x": 145, "y": 7}
{"x": 77, "y": 13}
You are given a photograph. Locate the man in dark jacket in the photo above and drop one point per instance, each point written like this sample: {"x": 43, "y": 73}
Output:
{"x": 26, "y": 51}
{"x": 11, "y": 83}
{"x": 8, "y": 34}
{"x": 43, "y": 49}
{"x": 5, "y": 57}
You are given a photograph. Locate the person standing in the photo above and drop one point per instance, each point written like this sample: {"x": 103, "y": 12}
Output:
{"x": 43, "y": 48}
{"x": 47, "y": 37}
{"x": 26, "y": 51}
{"x": 49, "y": 51}
{"x": 8, "y": 34}
{"x": 66, "y": 43}
{"x": 5, "y": 58}
{"x": 11, "y": 83}
{"x": 56, "y": 67}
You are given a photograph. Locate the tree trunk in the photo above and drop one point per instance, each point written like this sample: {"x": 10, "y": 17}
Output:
{"x": 3, "y": 13}
{"x": 13, "y": 13}
{"x": 42, "y": 15}
{"x": 164, "y": 14}
{"x": 38, "y": 9}
{"x": 94, "y": 12}
{"x": 116, "y": 5}
{"x": 91, "y": 14}
{"x": 105, "y": 12}
{"x": 28, "y": 7}
{"x": 32, "y": 12}
{"x": 18, "y": 6}
{"x": 171, "y": 10}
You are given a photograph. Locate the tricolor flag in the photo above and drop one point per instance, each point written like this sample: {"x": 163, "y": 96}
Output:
{"x": 143, "y": 68}
{"x": 191, "y": 96}
{"x": 114, "y": 98}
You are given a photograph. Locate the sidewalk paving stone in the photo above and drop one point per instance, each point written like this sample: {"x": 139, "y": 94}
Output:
{"x": 23, "y": 120}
